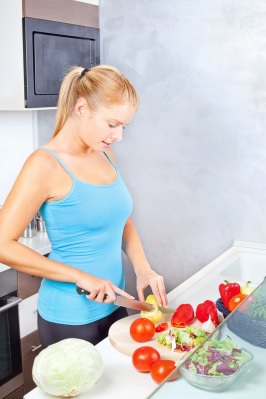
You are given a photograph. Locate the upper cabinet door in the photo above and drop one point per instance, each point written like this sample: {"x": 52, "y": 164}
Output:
{"x": 66, "y": 33}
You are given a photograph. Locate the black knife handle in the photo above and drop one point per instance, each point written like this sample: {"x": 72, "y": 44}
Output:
{"x": 81, "y": 291}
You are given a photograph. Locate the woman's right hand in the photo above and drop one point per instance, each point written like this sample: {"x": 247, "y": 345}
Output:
{"x": 100, "y": 290}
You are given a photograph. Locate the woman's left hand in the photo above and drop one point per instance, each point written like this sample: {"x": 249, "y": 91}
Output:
{"x": 156, "y": 282}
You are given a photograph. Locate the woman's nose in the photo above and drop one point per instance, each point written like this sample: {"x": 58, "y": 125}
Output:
{"x": 118, "y": 135}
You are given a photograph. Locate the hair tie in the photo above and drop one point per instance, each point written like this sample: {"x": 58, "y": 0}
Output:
{"x": 83, "y": 73}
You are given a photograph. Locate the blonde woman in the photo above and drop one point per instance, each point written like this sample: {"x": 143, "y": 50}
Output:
{"x": 74, "y": 183}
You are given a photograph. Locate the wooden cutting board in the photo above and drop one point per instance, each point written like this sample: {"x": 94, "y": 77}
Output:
{"x": 121, "y": 340}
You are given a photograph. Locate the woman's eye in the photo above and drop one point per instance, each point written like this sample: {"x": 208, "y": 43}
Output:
{"x": 114, "y": 126}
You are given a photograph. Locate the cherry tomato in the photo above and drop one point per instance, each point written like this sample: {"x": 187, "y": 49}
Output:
{"x": 144, "y": 357}
{"x": 161, "y": 369}
{"x": 142, "y": 329}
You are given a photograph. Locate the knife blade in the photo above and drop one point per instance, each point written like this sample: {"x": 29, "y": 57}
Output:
{"x": 131, "y": 303}
{"x": 138, "y": 305}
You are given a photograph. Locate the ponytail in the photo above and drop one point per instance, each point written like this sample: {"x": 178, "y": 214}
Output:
{"x": 66, "y": 98}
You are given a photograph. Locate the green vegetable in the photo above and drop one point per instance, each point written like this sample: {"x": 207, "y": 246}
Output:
{"x": 182, "y": 339}
{"x": 67, "y": 368}
{"x": 217, "y": 357}
{"x": 256, "y": 303}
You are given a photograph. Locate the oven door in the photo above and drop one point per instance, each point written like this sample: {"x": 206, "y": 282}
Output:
{"x": 10, "y": 352}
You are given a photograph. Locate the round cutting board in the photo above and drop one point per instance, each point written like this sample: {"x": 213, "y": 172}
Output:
{"x": 121, "y": 340}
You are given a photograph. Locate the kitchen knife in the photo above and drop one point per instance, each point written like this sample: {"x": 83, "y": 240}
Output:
{"x": 131, "y": 303}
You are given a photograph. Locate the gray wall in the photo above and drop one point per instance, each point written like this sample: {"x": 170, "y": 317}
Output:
{"x": 194, "y": 157}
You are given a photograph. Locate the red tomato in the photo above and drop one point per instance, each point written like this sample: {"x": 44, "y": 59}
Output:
{"x": 144, "y": 357}
{"x": 161, "y": 370}
{"x": 142, "y": 329}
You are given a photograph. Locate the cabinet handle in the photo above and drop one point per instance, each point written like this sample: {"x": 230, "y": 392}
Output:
{"x": 35, "y": 348}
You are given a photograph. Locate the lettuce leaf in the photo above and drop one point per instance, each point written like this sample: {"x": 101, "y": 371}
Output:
{"x": 217, "y": 357}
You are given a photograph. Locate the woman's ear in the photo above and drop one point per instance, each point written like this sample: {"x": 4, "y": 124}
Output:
{"x": 81, "y": 107}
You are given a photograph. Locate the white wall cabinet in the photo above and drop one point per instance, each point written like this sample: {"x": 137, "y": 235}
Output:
{"x": 11, "y": 66}
{"x": 11, "y": 39}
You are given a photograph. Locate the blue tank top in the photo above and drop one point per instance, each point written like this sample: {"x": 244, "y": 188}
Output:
{"x": 85, "y": 229}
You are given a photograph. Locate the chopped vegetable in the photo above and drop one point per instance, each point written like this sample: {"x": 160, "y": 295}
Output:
{"x": 206, "y": 309}
{"x": 227, "y": 291}
{"x": 235, "y": 301}
{"x": 183, "y": 316}
{"x": 182, "y": 340}
{"x": 161, "y": 327}
{"x": 217, "y": 357}
{"x": 246, "y": 289}
{"x": 154, "y": 315}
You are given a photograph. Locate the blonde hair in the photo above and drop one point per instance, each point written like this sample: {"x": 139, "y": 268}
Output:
{"x": 102, "y": 85}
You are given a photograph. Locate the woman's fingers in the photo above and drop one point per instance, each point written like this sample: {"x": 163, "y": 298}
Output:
{"x": 121, "y": 292}
{"x": 107, "y": 293}
{"x": 158, "y": 289}
{"x": 156, "y": 282}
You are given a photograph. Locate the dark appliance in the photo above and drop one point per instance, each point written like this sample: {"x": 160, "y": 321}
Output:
{"x": 11, "y": 377}
{"x": 50, "y": 49}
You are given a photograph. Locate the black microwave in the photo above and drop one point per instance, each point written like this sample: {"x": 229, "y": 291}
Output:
{"x": 50, "y": 49}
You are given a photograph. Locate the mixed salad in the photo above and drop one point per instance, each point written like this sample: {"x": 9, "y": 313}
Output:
{"x": 182, "y": 339}
{"x": 217, "y": 358}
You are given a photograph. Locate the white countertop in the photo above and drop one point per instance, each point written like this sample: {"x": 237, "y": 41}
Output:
{"x": 39, "y": 243}
{"x": 120, "y": 380}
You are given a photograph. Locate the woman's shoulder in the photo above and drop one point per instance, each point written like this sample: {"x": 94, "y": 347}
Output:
{"x": 40, "y": 166}
{"x": 41, "y": 157}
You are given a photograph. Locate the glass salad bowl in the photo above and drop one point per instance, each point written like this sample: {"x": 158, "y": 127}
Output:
{"x": 216, "y": 365}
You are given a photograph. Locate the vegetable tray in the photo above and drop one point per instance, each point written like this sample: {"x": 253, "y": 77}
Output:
{"x": 121, "y": 340}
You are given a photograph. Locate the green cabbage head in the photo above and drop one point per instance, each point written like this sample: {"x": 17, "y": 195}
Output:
{"x": 67, "y": 368}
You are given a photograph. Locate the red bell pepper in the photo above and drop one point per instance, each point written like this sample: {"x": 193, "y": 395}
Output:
{"x": 227, "y": 291}
{"x": 206, "y": 309}
{"x": 183, "y": 316}
{"x": 161, "y": 327}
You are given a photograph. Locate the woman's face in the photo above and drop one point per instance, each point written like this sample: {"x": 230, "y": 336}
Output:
{"x": 105, "y": 126}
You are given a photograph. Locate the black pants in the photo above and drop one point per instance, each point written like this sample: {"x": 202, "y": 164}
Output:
{"x": 94, "y": 332}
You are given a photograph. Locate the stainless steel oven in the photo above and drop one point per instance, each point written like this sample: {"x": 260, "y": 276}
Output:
{"x": 10, "y": 352}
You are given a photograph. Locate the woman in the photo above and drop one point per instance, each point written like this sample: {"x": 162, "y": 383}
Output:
{"x": 74, "y": 183}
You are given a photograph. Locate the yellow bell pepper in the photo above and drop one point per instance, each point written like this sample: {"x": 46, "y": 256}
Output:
{"x": 154, "y": 315}
{"x": 246, "y": 289}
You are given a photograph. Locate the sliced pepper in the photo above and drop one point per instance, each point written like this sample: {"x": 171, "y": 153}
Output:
{"x": 227, "y": 291}
{"x": 206, "y": 309}
{"x": 183, "y": 316}
{"x": 161, "y": 327}
{"x": 235, "y": 301}
{"x": 154, "y": 315}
